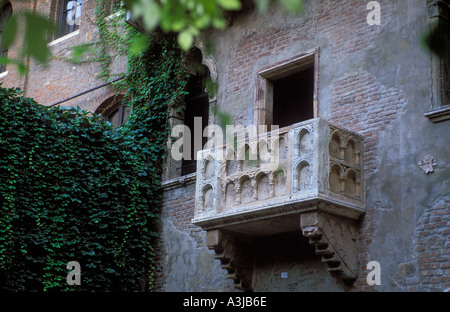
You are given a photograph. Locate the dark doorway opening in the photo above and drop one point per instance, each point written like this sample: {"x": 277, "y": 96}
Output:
{"x": 293, "y": 98}
{"x": 197, "y": 105}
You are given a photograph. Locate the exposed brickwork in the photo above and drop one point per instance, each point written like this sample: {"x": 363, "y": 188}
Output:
{"x": 343, "y": 23}
{"x": 432, "y": 250}
{"x": 178, "y": 209}
{"x": 363, "y": 105}
{"x": 366, "y": 235}
{"x": 61, "y": 79}
{"x": 358, "y": 101}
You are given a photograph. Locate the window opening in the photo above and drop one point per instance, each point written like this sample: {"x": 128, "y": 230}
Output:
{"x": 114, "y": 110}
{"x": 5, "y": 13}
{"x": 119, "y": 115}
{"x": 438, "y": 13}
{"x": 293, "y": 98}
{"x": 197, "y": 105}
{"x": 69, "y": 17}
{"x": 287, "y": 91}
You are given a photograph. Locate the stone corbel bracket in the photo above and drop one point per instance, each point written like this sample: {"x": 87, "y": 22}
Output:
{"x": 334, "y": 239}
{"x": 235, "y": 256}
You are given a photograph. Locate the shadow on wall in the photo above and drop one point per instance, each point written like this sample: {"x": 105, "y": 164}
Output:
{"x": 187, "y": 267}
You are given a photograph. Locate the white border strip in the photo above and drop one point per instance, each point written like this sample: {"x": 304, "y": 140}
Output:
{"x": 56, "y": 41}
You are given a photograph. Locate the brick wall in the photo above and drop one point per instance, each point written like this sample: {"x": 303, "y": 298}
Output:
{"x": 358, "y": 101}
{"x": 374, "y": 81}
{"x": 60, "y": 79}
{"x": 177, "y": 208}
{"x": 430, "y": 272}
{"x": 362, "y": 104}
{"x": 343, "y": 23}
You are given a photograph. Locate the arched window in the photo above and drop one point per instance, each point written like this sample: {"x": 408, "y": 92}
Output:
{"x": 69, "y": 16}
{"x": 5, "y": 13}
{"x": 114, "y": 110}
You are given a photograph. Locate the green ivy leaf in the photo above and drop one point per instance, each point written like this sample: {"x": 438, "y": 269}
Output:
{"x": 139, "y": 45}
{"x": 293, "y": 6}
{"x": 230, "y": 4}
{"x": 262, "y": 5}
{"x": 9, "y": 32}
{"x": 185, "y": 39}
{"x": 64, "y": 169}
{"x": 37, "y": 30}
{"x": 80, "y": 51}
{"x": 150, "y": 12}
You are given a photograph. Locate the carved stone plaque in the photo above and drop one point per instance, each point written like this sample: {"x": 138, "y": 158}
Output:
{"x": 427, "y": 164}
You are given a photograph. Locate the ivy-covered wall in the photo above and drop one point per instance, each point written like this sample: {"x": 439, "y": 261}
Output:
{"x": 73, "y": 188}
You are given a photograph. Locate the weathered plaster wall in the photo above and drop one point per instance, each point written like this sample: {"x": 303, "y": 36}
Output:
{"x": 374, "y": 80}
{"x": 184, "y": 261}
{"x": 287, "y": 262}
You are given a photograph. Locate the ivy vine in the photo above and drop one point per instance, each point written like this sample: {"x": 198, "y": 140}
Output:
{"x": 73, "y": 188}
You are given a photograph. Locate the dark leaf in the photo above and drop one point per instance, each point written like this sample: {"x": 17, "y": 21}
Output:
{"x": 37, "y": 30}
{"x": 9, "y": 32}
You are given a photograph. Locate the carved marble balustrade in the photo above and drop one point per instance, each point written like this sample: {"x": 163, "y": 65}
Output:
{"x": 307, "y": 177}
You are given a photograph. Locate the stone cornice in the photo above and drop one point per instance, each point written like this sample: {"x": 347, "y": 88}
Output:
{"x": 179, "y": 182}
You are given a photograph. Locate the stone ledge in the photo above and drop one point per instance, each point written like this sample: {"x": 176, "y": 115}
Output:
{"x": 278, "y": 217}
{"x": 440, "y": 114}
{"x": 179, "y": 182}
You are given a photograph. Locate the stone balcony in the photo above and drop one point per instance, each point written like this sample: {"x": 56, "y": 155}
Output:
{"x": 307, "y": 177}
